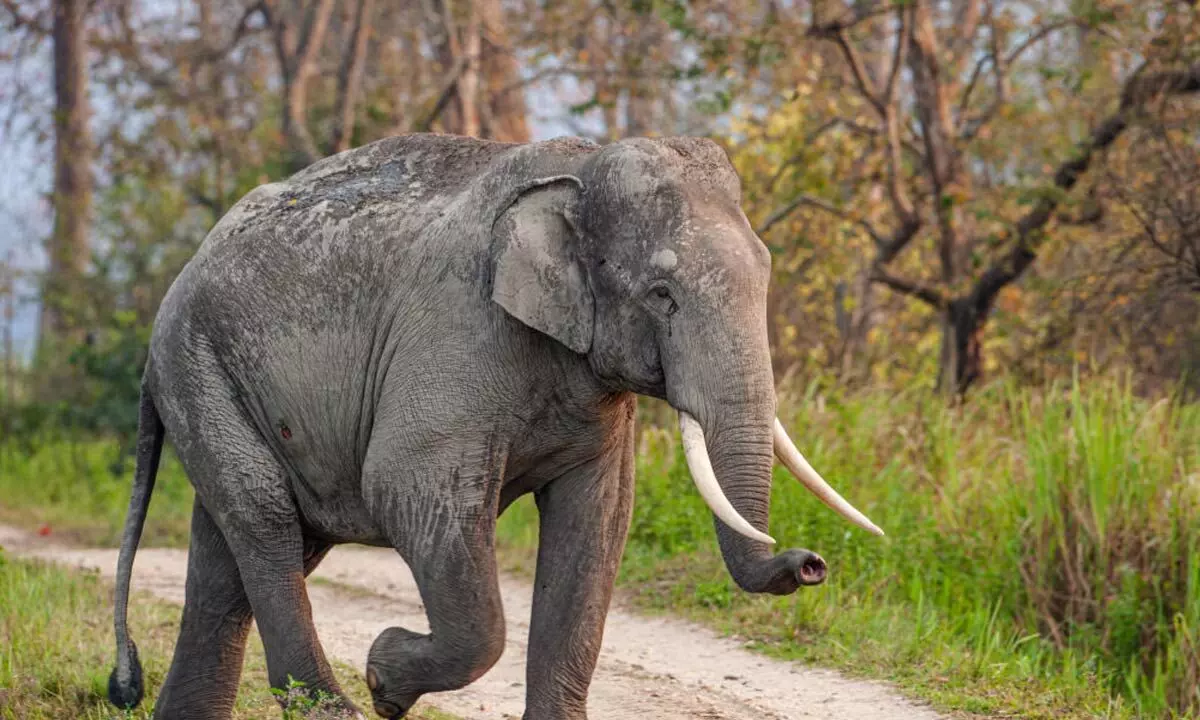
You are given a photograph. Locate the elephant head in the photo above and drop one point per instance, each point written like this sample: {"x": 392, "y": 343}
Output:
{"x": 645, "y": 263}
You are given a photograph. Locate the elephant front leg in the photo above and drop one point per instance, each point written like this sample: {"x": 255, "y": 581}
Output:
{"x": 584, "y": 521}
{"x": 444, "y": 528}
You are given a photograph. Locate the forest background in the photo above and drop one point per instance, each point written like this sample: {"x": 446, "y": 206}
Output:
{"x": 983, "y": 214}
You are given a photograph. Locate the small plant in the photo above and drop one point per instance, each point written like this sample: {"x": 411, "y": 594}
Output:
{"x": 300, "y": 703}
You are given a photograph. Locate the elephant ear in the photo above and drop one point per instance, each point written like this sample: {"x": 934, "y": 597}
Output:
{"x": 537, "y": 276}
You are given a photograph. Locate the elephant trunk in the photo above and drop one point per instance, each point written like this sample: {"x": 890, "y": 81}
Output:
{"x": 741, "y": 449}
{"x": 730, "y": 447}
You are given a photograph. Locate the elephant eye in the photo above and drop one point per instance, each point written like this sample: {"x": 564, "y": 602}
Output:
{"x": 660, "y": 299}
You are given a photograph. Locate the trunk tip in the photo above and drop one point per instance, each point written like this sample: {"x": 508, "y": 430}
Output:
{"x": 812, "y": 571}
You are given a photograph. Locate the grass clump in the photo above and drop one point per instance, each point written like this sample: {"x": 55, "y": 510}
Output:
{"x": 56, "y": 650}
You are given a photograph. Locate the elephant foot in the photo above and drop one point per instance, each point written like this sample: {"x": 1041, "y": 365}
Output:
{"x": 403, "y": 665}
{"x": 393, "y": 657}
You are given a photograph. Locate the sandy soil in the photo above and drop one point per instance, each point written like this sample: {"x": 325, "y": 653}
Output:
{"x": 650, "y": 668}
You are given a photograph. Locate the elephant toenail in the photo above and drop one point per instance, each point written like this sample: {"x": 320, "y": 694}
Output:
{"x": 386, "y": 709}
{"x": 372, "y": 679}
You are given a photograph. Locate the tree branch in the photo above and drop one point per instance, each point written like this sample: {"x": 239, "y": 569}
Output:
{"x": 1029, "y": 229}
{"x": 19, "y": 20}
{"x": 783, "y": 212}
{"x": 446, "y": 90}
{"x": 920, "y": 291}
{"x": 901, "y": 237}
{"x": 864, "y": 84}
{"x": 312, "y": 34}
{"x": 898, "y": 58}
{"x": 1000, "y": 63}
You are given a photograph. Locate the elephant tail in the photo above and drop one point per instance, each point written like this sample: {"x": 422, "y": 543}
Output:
{"x": 125, "y": 686}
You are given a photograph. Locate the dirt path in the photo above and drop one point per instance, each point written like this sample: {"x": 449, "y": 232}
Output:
{"x": 650, "y": 668}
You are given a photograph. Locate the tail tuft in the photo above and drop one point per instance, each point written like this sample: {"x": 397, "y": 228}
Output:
{"x": 125, "y": 689}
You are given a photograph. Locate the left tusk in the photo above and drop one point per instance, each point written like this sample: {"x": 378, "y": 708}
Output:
{"x": 787, "y": 453}
{"x": 696, "y": 452}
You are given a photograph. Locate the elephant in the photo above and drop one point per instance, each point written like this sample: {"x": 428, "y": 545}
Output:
{"x": 394, "y": 344}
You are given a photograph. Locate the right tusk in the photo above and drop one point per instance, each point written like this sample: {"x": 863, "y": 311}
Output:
{"x": 787, "y": 453}
{"x": 696, "y": 452}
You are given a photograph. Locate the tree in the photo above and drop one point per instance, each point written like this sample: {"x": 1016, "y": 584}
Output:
{"x": 927, "y": 137}
{"x": 481, "y": 69}
{"x": 67, "y": 247}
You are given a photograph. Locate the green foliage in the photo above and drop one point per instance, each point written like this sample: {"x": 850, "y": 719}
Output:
{"x": 111, "y": 363}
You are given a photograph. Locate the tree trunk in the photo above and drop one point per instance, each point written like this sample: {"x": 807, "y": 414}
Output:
{"x": 350, "y": 72}
{"x": 68, "y": 245}
{"x": 858, "y": 323}
{"x": 506, "y": 115}
{"x": 468, "y": 81}
{"x": 642, "y": 99}
{"x": 961, "y": 363}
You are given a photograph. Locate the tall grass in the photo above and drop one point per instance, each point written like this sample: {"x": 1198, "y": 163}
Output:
{"x": 1042, "y": 556}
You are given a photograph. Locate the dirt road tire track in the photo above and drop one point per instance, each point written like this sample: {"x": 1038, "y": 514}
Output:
{"x": 650, "y": 668}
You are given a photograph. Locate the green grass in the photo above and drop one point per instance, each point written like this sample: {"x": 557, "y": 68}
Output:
{"x": 1042, "y": 556}
{"x": 56, "y": 649}
{"x": 69, "y": 487}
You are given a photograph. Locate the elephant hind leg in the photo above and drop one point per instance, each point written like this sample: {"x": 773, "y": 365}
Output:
{"x": 254, "y": 533}
{"x": 203, "y": 679}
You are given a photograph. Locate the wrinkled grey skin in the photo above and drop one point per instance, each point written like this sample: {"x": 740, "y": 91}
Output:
{"x": 397, "y": 342}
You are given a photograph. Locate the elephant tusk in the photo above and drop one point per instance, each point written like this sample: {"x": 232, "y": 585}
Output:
{"x": 698, "y": 462}
{"x": 787, "y": 453}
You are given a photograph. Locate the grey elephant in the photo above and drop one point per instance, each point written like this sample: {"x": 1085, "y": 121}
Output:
{"x": 396, "y": 343}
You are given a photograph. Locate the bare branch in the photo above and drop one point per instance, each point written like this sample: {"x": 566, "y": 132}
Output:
{"x": 446, "y": 90}
{"x": 965, "y": 23}
{"x": 296, "y": 55}
{"x": 312, "y": 34}
{"x": 782, "y": 213}
{"x": 900, "y": 55}
{"x": 920, "y": 291}
{"x": 850, "y": 18}
{"x": 976, "y": 72}
{"x": 901, "y": 237}
{"x": 864, "y": 84}
{"x": 869, "y": 131}
{"x": 1000, "y": 64}
{"x": 900, "y": 201}
{"x": 1038, "y": 35}
{"x": 20, "y": 20}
